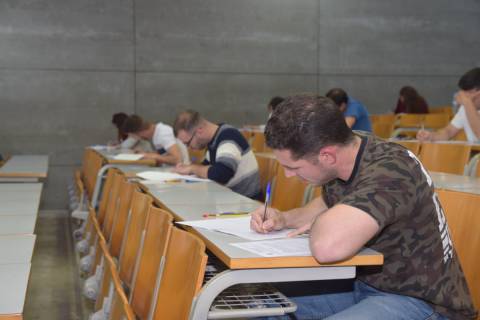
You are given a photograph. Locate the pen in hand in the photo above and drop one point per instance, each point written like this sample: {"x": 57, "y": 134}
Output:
{"x": 267, "y": 199}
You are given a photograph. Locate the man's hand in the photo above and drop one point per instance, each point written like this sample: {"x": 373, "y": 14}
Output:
{"x": 424, "y": 135}
{"x": 149, "y": 155}
{"x": 274, "y": 220}
{"x": 466, "y": 98}
{"x": 183, "y": 169}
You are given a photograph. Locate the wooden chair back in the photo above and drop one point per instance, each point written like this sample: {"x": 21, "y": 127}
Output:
{"x": 385, "y": 118}
{"x": 409, "y": 120}
{"x": 448, "y": 110}
{"x": 267, "y": 168}
{"x": 112, "y": 205}
{"x": 463, "y": 218}
{"x": 157, "y": 233}
{"x": 258, "y": 141}
{"x": 182, "y": 276}
{"x": 107, "y": 187}
{"x": 131, "y": 245}
{"x": 436, "y": 120}
{"x": 445, "y": 157}
{"x": 120, "y": 221}
{"x": 383, "y": 129}
{"x": 413, "y": 146}
{"x": 287, "y": 192}
{"x": 94, "y": 163}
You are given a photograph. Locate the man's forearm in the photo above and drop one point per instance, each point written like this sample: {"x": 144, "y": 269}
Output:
{"x": 473, "y": 117}
{"x": 200, "y": 170}
{"x": 299, "y": 217}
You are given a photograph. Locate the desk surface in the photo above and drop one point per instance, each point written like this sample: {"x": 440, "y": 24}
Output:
{"x": 174, "y": 194}
{"x": 25, "y": 166}
{"x": 20, "y": 198}
{"x": 16, "y": 248}
{"x": 456, "y": 182}
{"x": 14, "y": 280}
{"x": 17, "y": 224}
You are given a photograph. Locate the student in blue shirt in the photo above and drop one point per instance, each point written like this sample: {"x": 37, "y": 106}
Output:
{"x": 355, "y": 113}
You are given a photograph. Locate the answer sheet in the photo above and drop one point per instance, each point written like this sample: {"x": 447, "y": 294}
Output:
{"x": 167, "y": 176}
{"x": 239, "y": 227}
{"x": 291, "y": 247}
{"x": 128, "y": 156}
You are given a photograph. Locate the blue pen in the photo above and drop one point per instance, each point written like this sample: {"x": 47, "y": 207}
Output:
{"x": 267, "y": 199}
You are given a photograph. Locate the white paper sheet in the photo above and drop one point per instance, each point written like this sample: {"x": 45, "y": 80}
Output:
{"x": 128, "y": 156}
{"x": 239, "y": 227}
{"x": 291, "y": 247}
{"x": 166, "y": 176}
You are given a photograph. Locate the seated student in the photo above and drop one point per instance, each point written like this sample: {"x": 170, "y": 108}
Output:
{"x": 375, "y": 194}
{"x": 170, "y": 150}
{"x": 409, "y": 101}
{"x": 356, "y": 115}
{"x": 467, "y": 117}
{"x": 229, "y": 160}
{"x": 126, "y": 141}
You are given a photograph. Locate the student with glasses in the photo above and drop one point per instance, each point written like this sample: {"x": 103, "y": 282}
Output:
{"x": 229, "y": 159}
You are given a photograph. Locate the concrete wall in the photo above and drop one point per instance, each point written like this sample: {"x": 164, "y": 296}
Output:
{"x": 67, "y": 65}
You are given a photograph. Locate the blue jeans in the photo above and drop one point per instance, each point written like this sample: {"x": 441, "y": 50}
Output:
{"x": 361, "y": 302}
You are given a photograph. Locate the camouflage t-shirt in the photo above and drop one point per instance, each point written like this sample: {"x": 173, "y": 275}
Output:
{"x": 390, "y": 184}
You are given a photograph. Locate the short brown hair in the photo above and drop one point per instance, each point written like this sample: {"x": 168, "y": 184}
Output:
{"x": 134, "y": 124}
{"x": 187, "y": 121}
{"x": 304, "y": 124}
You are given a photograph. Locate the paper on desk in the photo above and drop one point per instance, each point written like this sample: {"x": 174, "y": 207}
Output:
{"x": 166, "y": 176}
{"x": 291, "y": 247}
{"x": 128, "y": 156}
{"x": 239, "y": 227}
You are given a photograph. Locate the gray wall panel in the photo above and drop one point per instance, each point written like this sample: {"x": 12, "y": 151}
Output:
{"x": 227, "y": 36}
{"x": 402, "y": 37}
{"x": 227, "y": 98}
{"x": 63, "y": 34}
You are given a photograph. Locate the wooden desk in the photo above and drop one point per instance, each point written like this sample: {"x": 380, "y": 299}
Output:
{"x": 189, "y": 201}
{"x": 24, "y": 168}
{"x": 456, "y": 182}
{"x": 14, "y": 280}
{"x": 20, "y": 198}
{"x": 16, "y": 248}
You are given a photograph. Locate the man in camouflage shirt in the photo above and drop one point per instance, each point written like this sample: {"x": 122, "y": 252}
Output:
{"x": 375, "y": 194}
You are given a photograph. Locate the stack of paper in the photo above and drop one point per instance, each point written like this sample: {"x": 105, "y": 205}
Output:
{"x": 167, "y": 176}
{"x": 128, "y": 156}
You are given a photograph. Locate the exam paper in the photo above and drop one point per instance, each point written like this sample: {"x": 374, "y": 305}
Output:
{"x": 239, "y": 227}
{"x": 166, "y": 176}
{"x": 128, "y": 156}
{"x": 291, "y": 247}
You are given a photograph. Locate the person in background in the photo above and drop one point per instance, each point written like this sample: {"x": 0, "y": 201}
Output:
{"x": 467, "y": 116}
{"x": 126, "y": 141}
{"x": 169, "y": 150}
{"x": 229, "y": 159}
{"x": 355, "y": 113}
{"x": 409, "y": 101}
{"x": 375, "y": 194}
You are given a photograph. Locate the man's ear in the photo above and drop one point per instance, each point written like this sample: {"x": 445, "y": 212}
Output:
{"x": 328, "y": 155}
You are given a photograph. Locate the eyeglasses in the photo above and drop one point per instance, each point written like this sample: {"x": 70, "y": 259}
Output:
{"x": 191, "y": 138}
